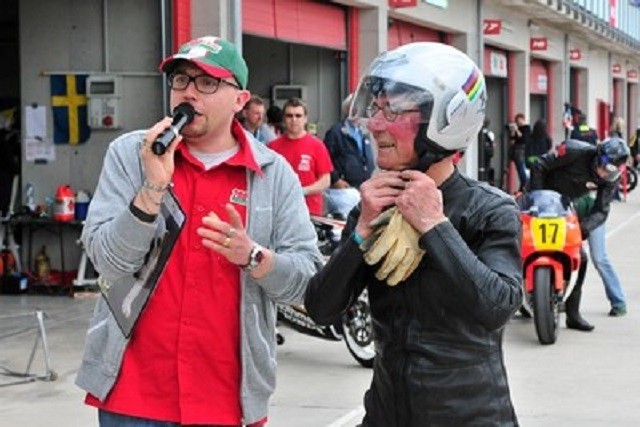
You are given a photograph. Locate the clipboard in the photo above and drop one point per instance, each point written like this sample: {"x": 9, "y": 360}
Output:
{"x": 128, "y": 298}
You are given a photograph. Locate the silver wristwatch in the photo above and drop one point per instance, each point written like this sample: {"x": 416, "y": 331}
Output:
{"x": 256, "y": 256}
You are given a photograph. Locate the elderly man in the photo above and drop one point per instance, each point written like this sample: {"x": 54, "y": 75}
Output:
{"x": 438, "y": 252}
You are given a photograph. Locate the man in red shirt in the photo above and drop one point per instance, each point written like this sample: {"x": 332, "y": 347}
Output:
{"x": 203, "y": 349}
{"x": 305, "y": 153}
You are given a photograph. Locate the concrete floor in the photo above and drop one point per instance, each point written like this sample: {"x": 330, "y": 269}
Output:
{"x": 586, "y": 379}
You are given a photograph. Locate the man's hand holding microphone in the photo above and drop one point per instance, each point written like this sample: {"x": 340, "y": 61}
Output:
{"x": 157, "y": 155}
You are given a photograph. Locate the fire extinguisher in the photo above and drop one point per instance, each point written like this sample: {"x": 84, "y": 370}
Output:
{"x": 64, "y": 204}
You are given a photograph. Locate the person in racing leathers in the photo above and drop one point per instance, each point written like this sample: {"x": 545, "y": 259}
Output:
{"x": 451, "y": 275}
{"x": 577, "y": 168}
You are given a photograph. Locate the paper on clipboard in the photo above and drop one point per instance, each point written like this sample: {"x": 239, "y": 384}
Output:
{"x": 128, "y": 299}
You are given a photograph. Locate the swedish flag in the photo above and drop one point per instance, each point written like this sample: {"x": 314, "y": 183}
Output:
{"x": 69, "y": 104}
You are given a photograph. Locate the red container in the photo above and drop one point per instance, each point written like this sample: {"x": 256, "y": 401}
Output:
{"x": 64, "y": 204}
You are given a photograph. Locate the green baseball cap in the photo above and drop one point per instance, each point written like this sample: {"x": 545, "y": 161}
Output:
{"x": 215, "y": 56}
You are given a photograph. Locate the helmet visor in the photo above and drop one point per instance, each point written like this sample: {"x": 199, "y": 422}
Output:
{"x": 378, "y": 98}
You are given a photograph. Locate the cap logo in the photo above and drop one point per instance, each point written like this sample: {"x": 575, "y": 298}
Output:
{"x": 192, "y": 53}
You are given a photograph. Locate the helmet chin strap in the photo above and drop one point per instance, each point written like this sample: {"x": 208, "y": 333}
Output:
{"x": 428, "y": 151}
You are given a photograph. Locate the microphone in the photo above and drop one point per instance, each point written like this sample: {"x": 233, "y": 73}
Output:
{"x": 182, "y": 115}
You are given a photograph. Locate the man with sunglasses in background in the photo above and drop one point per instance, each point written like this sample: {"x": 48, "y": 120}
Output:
{"x": 574, "y": 170}
{"x": 307, "y": 155}
{"x": 203, "y": 349}
{"x": 437, "y": 251}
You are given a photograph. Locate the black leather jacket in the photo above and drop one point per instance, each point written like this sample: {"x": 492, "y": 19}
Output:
{"x": 568, "y": 171}
{"x": 438, "y": 334}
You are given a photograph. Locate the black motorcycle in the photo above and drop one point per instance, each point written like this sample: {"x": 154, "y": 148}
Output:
{"x": 354, "y": 327}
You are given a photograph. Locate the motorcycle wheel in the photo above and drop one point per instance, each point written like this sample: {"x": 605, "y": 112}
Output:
{"x": 357, "y": 331}
{"x": 545, "y": 306}
{"x": 632, "y": 179}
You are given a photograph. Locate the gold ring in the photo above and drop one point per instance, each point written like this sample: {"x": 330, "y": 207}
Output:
{"x": 226, "y": 242}
{"x": 231, "y": 232}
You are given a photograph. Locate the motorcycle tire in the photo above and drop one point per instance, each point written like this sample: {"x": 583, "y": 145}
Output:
{"x": 358, "y": 333}
{"x": 545, "y": 306}
{"x": 631, "y": 181}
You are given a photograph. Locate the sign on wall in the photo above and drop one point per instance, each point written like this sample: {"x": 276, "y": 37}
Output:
{"x": 492, "y": 27}
{"x": 616, "y": 68}
{"x": 402, "y": 3}
{"x": 538, "y": 43}
{"x": 575, "y": 54}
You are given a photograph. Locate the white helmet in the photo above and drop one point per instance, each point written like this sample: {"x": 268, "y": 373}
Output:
{"x": 443, "y": 82}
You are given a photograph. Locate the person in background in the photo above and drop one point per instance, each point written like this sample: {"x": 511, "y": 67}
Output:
{"x": 203, "y": 349}
{"x": 539, "y": 144}
{"x": 567, "y": 119}
{"x": 576, "y": 169}
{"x": 488, "y": 145}
{"x": 253, "y": 115}
{"x": 634, "y": 146}
{"x": 519, "y": 136}
{"x": 438, "y": 252}
{"x": 352, "y": 157}
{"x": 617, "y": 127}
{"x": 274, "y": 120}
{"x": 306, "y": 154}
{"x": 604, "y": 267}
{"x": 582, "y": 131}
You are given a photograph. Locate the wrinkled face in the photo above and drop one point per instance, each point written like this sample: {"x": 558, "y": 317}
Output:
{"x": 394, "y": 124}
{"x": 295, "y": 120}
{"x": 214, "y": 111}
{"x": 254, "y": 114}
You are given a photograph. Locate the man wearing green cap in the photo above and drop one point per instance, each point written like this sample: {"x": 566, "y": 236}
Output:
{"x": 203, "y": 349}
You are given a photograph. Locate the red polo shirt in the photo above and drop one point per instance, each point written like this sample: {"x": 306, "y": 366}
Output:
{"x": 182, "y": 363}
{"x": 309, "y": 157}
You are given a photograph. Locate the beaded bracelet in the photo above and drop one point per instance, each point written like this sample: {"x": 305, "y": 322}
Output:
{"x": 357, "y": 237}
{"x": 153, "y": 187}
{"x": 147, "y": 196}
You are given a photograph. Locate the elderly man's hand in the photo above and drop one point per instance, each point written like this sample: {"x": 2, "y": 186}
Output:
{"x": 420, "y": 203}
{"x": 376, "y": 194}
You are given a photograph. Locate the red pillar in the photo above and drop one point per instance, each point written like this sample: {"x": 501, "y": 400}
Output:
{"x": 181, "y": 22}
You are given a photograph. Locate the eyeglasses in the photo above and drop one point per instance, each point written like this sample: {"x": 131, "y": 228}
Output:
{"x": 390, "y": 113}
{"x": 290, "y": 116}
{"x": 203, "y": 83}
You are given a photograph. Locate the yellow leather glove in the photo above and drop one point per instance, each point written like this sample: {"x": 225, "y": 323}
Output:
{"x": 397, "y": 242}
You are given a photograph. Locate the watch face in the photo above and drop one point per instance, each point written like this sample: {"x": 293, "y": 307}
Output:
{"x": 257, "y": 258}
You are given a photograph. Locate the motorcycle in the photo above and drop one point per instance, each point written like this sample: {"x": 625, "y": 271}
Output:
{"x": 354, "y": 327}
{"x": 628, "y": 179}
{"x": 551, "y": 241}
